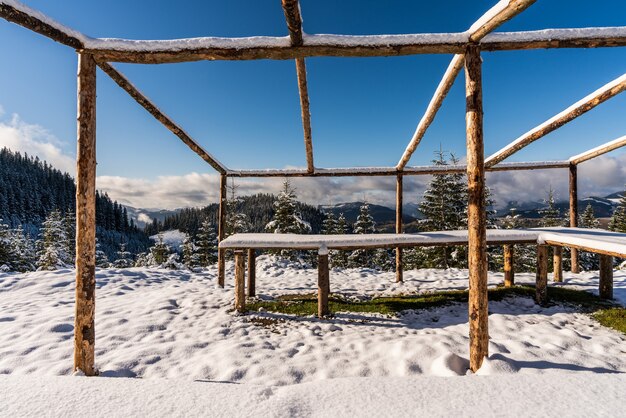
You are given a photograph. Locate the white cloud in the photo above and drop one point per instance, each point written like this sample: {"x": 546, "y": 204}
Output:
{"x": 35, "y": 140}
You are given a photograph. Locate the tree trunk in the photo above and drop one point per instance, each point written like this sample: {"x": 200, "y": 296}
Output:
{"x": 573, "y": 212}
{"x": 509, "y": 271}
{"x": 240, "y": 272}
{"x": 251, "y": 272}
{"x": 541, "y": 289}
{"x": 84, "y": 320}
{"x": 606, "y": 276}
{"x": 476, "y": 217}
{"x": 323, "y": 285}
{"x": 557, "y": 264}
{"x": 221, "y": 231}
{"x": 399, "y": 269}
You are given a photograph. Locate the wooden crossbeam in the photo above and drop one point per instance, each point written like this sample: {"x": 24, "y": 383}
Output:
{"x": 291, "y": 9}
{"x": 599, "y": 150}
{"x": 495, "y": 17}
{"x": 580, "y": 107}
{"x": 125, "y": 84}
{"x": 391, "y": 171}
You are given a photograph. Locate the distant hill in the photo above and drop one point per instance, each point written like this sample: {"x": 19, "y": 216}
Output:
{"x": 602, "y": 206}
{"x": 143, "y": 217}
{"x": 381, "y": 214}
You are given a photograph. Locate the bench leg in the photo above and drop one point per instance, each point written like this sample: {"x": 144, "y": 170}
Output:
{"x": 541, "y": 296}
{"x": 606, "y": 276}
{"x": 509, "y": 271}
{"x": 240, "y": 296}
{"x": 323, "y": 285}
{"x": 557, "y": 264}
{"x": 399, "y": 270}
{"x": 251, "y": 272}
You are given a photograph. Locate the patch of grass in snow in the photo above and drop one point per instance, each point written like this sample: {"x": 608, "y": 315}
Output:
{"x": 304, "y": 305}
{"x": 613, "y": 318}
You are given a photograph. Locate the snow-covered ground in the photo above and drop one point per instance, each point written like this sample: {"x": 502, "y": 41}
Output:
{"x": 176, "y": 330}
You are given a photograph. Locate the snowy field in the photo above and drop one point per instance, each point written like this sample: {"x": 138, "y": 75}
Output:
{"x": 155, "y": 323}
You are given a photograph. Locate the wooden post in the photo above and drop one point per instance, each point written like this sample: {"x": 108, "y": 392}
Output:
{"x": 251, "y": 272}
{"x": 541, "y": 290}
{"x": 221, "y": 231}
{"x": 323, "y": 283}
{"x": 606, "y": 276}
{"x": 476, "y": 218}
{"x": 399, "y": 269}
{"x": 509, "y": 271}
{"x": 557, "y": 264}
{"x": 240, "y": 291}
{"x": 84, "y": 319}
{"x": 573, "y": 212}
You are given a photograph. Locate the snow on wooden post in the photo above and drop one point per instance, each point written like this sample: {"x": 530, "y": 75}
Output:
{"x": 476, "y": 217}
{"x": 221, "y": 231}
{"x": 323, "y": 282}
{"x": 573, "y": 212}
{"x": 240, "y": 291}
{"x": 541, "y": 289}
{"x": 557, "y": 264}
{"x": 251, "y": 272}
{"x": 399, "y": 270}
{"x": 606, "y": 276}
{"x": 84, "y": 320}
{"x": 509, "y": 271}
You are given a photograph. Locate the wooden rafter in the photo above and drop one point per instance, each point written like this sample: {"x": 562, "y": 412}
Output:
{"x": 495, "y": 17}
{"x": 582, "y": 106}
{"x": 160, "y": 116}
{"x": 599, "y": 150}
{"x": 391, "y": 171}
{"x": 294, "y": 24}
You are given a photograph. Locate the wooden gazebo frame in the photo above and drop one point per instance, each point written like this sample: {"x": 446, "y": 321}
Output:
{"x": 466, "y": 47}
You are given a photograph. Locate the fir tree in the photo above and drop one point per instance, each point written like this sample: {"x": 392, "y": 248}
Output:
{"x": 191, "y": 256}
{"x": 159, "y": 252}
{"x": 588, "y": 261}
{"x": 339, "y": 258}
{"x": 53, "y": 245}
{"x": 286, "y": 220}
{"x": 102, "y": 260}
{"x": 236, "y": 221}
{"x": 124, "y": 258}
{"x": 206, "y": 244}
{"x": 618, "y": 220}
{"x": 6, "y": 250}
{"x": 550, "y": 215}
{"x": 69, "y": 222}
{"x": 329, "y": 225}
{"x": 364, "y": 225}
{"x": 588, "y": 218}
{"x": 23, "y": 248}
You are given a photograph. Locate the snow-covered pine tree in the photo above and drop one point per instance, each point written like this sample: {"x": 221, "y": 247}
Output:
{"x": 550, "y": 215}
{"x": 236, "y": 222}
{"x": 6, "y": 248}
{"x": 159, "y": 252}
{"x": 102, "y": 260}
{"x": 339, "y": 258}
{"x": 588, "y": 261}
{"x": 23, "y": 248}
{"x": 53, "y": 245}
{"x": 329, "y": 224}
{"x": 124, "y": 258}
{"x": 618, "y": 220}
{"x": 191, "y": 257}
{"x": 364, "y": 225}
{"x": 206, "y": 244}
{"x": 69, "y": 221}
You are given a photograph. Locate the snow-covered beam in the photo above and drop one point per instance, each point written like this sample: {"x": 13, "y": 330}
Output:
{"x": 294, "y": 24}
{"x": 599, "y": 150}
{"x": 391, "y": 171}
{"x": 125, "y": 84}
{"x": 580, "y": 107}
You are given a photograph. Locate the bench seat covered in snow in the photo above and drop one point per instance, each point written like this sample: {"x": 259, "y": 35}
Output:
{"x": 607, "y": 244}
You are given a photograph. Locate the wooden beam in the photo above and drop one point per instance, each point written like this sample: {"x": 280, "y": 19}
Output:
{"x": 454, "y": 68}
{"x": 599, "y": 150}
{"x": 541, "y": 284}
{"x": 580, "y": 107}
{"x": 606, "y": 276}
{"x": 557, "y": 264}
{"x": 399, "y": 227}
{"x": 392, "y": 171}
{"x": 496, "y": 16}
{"x": 509, "y": 270}
{"x": 476, "y": 219}
{"x": 555, "y": 38}
{"x": 240, "y": 291}
{"x": 323, "y": 284}
{"x": 573, "y": 213}
{"x": 30, "y": 19}
{"x": 291, "y": 8}
{"x": 160, "y": 116}
{"x": 221, "y": 232}
{"x": 251, "y": 272}
{"x": 85, "y": 311}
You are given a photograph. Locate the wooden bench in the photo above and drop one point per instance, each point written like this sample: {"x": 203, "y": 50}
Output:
{"x": 607, "y": 244}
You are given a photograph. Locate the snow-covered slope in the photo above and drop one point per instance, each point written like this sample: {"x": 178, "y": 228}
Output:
{"x": 175, "y": 324}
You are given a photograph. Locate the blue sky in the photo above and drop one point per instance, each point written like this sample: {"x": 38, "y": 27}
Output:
{"x": 364, "y": 110}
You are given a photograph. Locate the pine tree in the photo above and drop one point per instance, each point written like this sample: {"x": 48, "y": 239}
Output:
{"x": 339, "y": 258}
{"x": 53, "y": 245}
{"x": 159, "y": 252}
{"x": 102, "y": 260}
{"x": 588, "y": 218}
{"x": 364, "y": 225}
{"x": 236, "y": 222}
{"x": 69, "y": 221}
{"x": 618, "y": 220}
{"x": 6, "y": 248}
{"x": 286, "y": 220}
{"x": 329, "y": 225}
{"x": 191, "y": 256}
{"x": 23, "y": 248}
{"x": 206, "y": 244}
{"x": 550, "y": 215}
{"x": 588, "y": 261}
{"x": 124, "y": 258}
